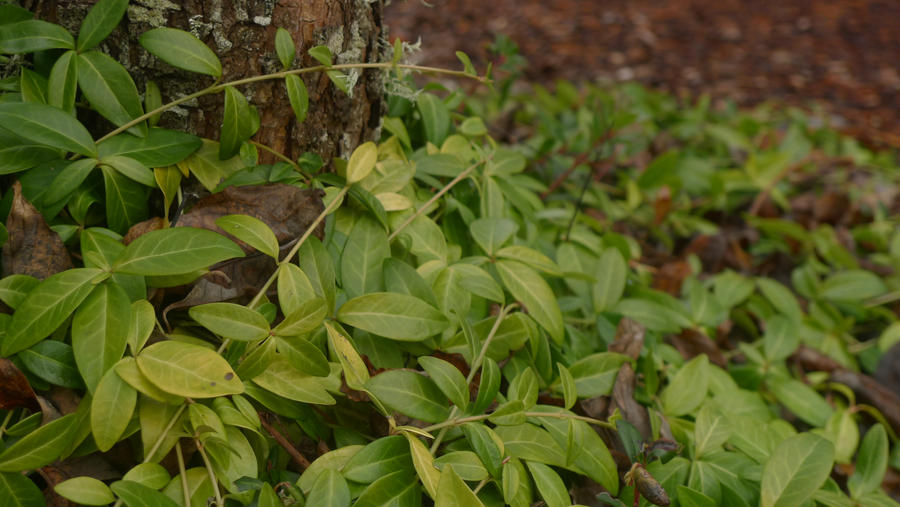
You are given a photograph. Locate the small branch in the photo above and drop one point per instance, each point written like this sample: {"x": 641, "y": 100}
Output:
{"x": 580, "y": 159}
{"x": 215, "y": 88}
{"x": 281, "y": 156}
{"x": 185, "y": 490}
{"x": 212, "y": 474}
{"x": 459, "y": 177}
{"x": 298, "y": 458}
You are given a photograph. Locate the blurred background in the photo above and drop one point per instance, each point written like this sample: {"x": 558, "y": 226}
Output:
{"x": 841, "y": 54}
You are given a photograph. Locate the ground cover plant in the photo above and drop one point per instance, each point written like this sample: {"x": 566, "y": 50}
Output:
{"x": 585, "y": 296}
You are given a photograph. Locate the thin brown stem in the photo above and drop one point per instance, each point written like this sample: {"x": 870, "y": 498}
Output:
{"x": 285, "y": 444}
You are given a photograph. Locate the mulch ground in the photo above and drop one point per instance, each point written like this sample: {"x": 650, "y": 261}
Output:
{"x": 843, "y": 54}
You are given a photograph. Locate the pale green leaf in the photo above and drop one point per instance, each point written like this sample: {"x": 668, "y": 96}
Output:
{"x": 181, "y": 49}
{"x": 796, "y": 469}
{"x": 232, "y": 321}
{"x": 391, "y": 315}
{"x": 111, "y": 408}
{"x": 188, "y": 370}
{"x": 176, "y": 251}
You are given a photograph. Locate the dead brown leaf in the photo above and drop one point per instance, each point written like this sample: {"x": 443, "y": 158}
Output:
{"x": 32, "y": 248}
{"x": 15, "y": 391}
{"x": 691, "y": 343}
{"x": 629, "y": 338}
{"x": 623, "y": 398}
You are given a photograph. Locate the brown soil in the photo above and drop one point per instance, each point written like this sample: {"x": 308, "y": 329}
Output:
{"x": 843, "y": 54}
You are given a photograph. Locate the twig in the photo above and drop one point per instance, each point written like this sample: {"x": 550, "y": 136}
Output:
{"x": 580, "y": 159}
{"x": 299, "y": 459}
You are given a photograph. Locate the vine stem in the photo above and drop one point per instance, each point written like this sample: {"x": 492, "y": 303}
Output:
{"x": 185, "y": 491}
{"x": 277, "y": 154}
{"x": 459, "y": 177}
{"x": 451, "y": 423}
{"x": 217, "y": 87}
{"x": 212, "y": 474}
{"x": 476, "y": 364}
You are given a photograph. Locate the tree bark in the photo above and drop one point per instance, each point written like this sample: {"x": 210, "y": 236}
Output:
{"x": 242, "y": 34}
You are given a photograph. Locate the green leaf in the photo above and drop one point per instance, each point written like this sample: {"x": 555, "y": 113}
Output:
{"x": 54, "y": 362}
{"x": 33, "y": 86}
{"x": 152, "y": 101}
{"x": 361, "y": 162}
{"x": 528, "y": 287}
{"x": 489, "y": 385}
{"x": 611, "y": 274}
{"x": 871, "y": 463}
{"x": 448, "y": 379}
{"x": 477, "y": 281}
{"x": 297, "y": 95}
{"x": 524, "y": 388}
{"x": 131, "y": 169}
{"x": 69, "y": 179}
{"x": 379, "y": 458}
{"x": 465, "y": 463}
{"x": 527, "y": 441}
{"x": 294, "y": 288}
{"x": 48, "y": 126}
{"x": 569, "y": 389}
{"x": 355, "y": 372}
{"x": 235, "y": 123}
{"x": 128, "y": 371}
{"x": 38, "y": 448}
{"x": 549, "y": 485}
{"x": 126, "y": 201}
{"x": 423, "y": 461}
{"x": 800, "y": 399}
{"x": 652, "y": 314}
{"x": 102, "y": 19}
{"x": 137, "y": 495}
{"x": 100, "y": 331}
{"x": 852, "y": 285}
{"x": 205, "y": 165}
{"x": 46, "y": 307}
{"x": 159, "y": 148}
{"x": 303, "y": 355}
{"x": 797, "y": 468}
{"x": 232, "y": 321}
{"x": 110, "y": 90}
{"x": 411, "y": 394}
{"x": 188, "y": 370}
{"x": 692, "y": 498}
{"x": 111, "y": 408}
{"x": 175, "y": 251}
{"x": 284, "y": 47}
{"x": 781, "y": 337}
{"x": 780, "y": 297}
{"x": 486, "y": 445}
{"x": 473, "y": 127}
{"x": 181, "y": 49}
{"x": 17, "y": 488}
{"x": 257, "y": 361}
{"x": 687, "y": 389}
{"x": 281, "y": 378}
{"x": 363, "y": 258}
{"x": 322, "y": 54}
{"x": 508, "y": 414}
{"x": 530, "y": 257}
{"x": 400, "y": 277}
{"x": 32, "y": 35}
{"x": 711, "y": 430}
{"x": 453, "y": 492}
{"x": 306, "y": 318}
{"x": 329, "y": 490}
{"x": 435, "y": 118}
{"x": 492, "y": 233}
{"x": 12, "y": 13}
{"x": 143, "y": 320}
{"x": 17, "y": 154}
{"x": 317, "y": 263}
{"x": 395, "y": 316}
{"x": 396, "y": 489}
{"x": 15, "y": 288}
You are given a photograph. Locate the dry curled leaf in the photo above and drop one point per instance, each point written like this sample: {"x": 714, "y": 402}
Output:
{"x": 32, "y": 248}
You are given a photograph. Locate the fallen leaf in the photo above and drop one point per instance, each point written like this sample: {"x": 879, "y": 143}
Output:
{"x": 15, "y": 391}
{"x": 32, "y": 248}
{"x": 629, "y": 338}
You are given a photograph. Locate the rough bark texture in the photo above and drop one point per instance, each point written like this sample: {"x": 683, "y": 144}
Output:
{"x": 242, "y": 33}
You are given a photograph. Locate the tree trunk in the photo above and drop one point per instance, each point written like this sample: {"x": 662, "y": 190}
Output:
{"x": 242, "y": 34}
